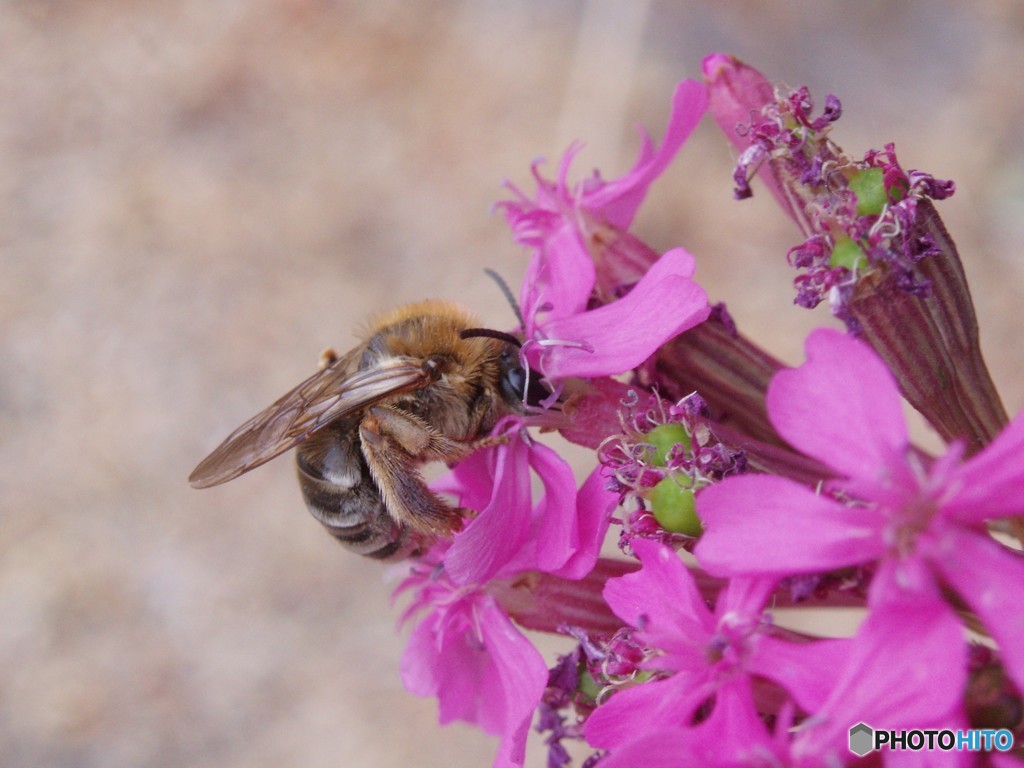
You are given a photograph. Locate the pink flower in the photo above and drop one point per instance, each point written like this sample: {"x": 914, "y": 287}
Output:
{"x": 923, "y": 525}
{"x": 571, "y": 216}
{"x": 466, "y": 650}
{"x": 705, "y": 656}
{"x": 468, "y": 654}
{"x": 733, "y": 736}
{"x": 616, "y": 337}
{"x": 583, "y": 255}
{"x": 906, "y": 670}
{"x": 560, "y": 534}
{"x": 875, "y": 686}
{"x": 861, "y": 686}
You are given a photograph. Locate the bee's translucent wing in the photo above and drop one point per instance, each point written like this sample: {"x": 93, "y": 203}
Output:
{"x": 323, "y": 397}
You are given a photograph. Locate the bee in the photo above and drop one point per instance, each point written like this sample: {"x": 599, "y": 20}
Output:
{"x": 426, "y": 384}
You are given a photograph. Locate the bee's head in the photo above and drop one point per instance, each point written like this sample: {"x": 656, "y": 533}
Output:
{"x": 519, "y": 386}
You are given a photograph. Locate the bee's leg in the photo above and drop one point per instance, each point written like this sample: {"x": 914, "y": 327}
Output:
{"x": 489, "y": 441}
{"x": 419, "y": 439}
{"x": 393, "y": 443}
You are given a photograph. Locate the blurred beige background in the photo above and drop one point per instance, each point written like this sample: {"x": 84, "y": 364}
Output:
{"x": 196, "y": 198}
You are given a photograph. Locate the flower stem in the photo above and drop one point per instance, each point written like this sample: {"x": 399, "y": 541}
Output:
{"x": 729, "y": 371}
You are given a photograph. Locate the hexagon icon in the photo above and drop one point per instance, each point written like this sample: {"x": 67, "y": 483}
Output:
{"x": 861, "y": 739}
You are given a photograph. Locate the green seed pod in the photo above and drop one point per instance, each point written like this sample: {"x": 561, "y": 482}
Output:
{"x": 664, "y": 438}
{"x": 868, "y": 186}
{"x": 674, "y": 507}
{"x": 847, "y": 253}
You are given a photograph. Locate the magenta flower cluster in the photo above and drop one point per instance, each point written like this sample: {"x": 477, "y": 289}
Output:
{"x": 768, "y": 487}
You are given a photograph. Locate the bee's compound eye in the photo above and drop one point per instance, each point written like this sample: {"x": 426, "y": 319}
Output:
{"x": 513, "y": 383}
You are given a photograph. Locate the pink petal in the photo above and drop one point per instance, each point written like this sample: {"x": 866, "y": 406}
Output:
{"x": 618, "y": 200}
{"x": 734, "y": 730}
{"x": 557, "y": 530}
{"x": 910, "y": 577}
{"x": 842, "y": 406}
{"x": 562, "y": 277}
{"x": 594, "y": 506}
{"x": 496, "y": 535}
{"x": 806, "y": 669}
{"x": 733, "y": 735}
{"x": 991, "y": 484}
{"x": 631, "y": 712}
{"x": 512, "y": 749}
{"x": 553, "y": 536}
{"x": 661, "y": 599}
{"x": 471, "y": 482}
{"x": 1002, "y": 759}
{"x": 480, "y": 667}
{"x": 988, "y": 577}
{"x": 700, "y": 746}
{"x": 619, "y": 336}
{"x": 906, "y": 669}
{"x": 809, "y": 671}
{"x": 744, "y": 596}
{"x": 771, "y": 526}
{"x": 661, "y": 748}
{"x": 421, "y": 673}
{"x": 511, "y": 534}
{"x": 737, "y": 92}
{"x": 521, "y": 676}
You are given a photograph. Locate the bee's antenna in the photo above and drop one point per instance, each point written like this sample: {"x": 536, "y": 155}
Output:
{"x": 508, "y": 295}
{"x": 470, "y": 333}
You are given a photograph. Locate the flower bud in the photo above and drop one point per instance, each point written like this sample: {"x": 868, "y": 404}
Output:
{"x": 930, "y": 339}
{"x": 875, "y": 248}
